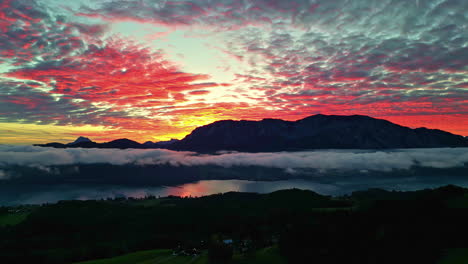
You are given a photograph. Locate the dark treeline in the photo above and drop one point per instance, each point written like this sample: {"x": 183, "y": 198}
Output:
{"x": 374, "y": 226}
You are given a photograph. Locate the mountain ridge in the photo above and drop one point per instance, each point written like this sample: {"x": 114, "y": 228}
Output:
{"x": 80, "y": 139}
{"x": 312, "y": 132}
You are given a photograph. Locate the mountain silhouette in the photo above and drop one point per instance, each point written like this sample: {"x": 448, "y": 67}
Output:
{"x": 80, "y": 140}
{"x": 118, "y": 144}
{"x": 160, "y": 144}
{"x": 313, "y": 132}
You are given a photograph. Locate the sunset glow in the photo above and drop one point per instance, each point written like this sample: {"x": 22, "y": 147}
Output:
{"x": 155, "y": 70}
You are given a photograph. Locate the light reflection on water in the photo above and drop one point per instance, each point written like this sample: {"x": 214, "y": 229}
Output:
{"x": 39, "y": 194}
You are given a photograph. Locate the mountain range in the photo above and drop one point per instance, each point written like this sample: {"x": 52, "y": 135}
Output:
{"x": 313, "y": 132}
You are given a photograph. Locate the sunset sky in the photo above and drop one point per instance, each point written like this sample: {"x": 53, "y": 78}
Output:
{"x": 155, "y": 70}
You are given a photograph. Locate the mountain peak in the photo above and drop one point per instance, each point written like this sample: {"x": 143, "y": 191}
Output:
{"x": 80, "y": 139}
{"x": 122, "y": 140}
{"x": 167, "y": 142}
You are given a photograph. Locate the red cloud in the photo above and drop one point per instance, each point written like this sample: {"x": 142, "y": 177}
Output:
{"x": 129, "y": 82}
{"x": 199, "y": 92}
{"x": 119, "y": 73}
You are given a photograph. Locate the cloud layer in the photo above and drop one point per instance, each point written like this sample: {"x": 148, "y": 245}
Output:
{"x": 359, "y": 160}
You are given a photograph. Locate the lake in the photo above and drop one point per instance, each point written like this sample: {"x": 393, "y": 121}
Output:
{"x": 39, "y": 194}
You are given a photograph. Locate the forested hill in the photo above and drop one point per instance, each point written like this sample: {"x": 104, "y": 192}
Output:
{"x": 373, "y": 226}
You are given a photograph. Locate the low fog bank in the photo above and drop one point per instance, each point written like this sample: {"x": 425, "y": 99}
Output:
{"x": 36, "y": 165}
{"x": 376, "y": 160}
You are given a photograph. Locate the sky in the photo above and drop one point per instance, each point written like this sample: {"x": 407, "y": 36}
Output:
{"x": 155, "y": 70}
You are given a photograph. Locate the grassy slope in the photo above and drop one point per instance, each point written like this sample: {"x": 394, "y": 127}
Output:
{"x": 12, "y": 219}
{"x": 455, "y": 256}
{"x": 159, "y": 256}
{"x": 268, "y": 255}
{"x": 137, "y": 257}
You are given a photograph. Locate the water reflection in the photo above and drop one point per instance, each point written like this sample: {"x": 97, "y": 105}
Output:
{"x": 39, "y": 194}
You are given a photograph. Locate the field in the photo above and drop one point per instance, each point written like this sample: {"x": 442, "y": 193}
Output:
{"x": 163, "y": 256}
{"x": 269, "y": 255}
{"x": 455, "y": 256}
{"x": 11, "y": 219}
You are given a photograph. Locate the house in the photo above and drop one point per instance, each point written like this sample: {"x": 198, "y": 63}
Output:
{"x": 227, "y": 241}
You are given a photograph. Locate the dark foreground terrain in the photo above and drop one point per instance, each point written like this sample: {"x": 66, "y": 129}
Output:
{"x": 291, "y": 226}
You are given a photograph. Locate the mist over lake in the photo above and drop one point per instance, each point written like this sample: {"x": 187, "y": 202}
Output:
{"x": 41, "y": 175}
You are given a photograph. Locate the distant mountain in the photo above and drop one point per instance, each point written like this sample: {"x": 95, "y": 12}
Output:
{"x": 122, "y": 144}
{"x": 313, "y": 132}
{"x": 79, "y": 140}
{"x": 167, "y": 142}
{"x": 83, "y": 142}
{"x": 160, "y": 144}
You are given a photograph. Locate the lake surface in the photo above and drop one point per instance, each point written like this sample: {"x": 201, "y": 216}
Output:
{"x": 39, "y": 194}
